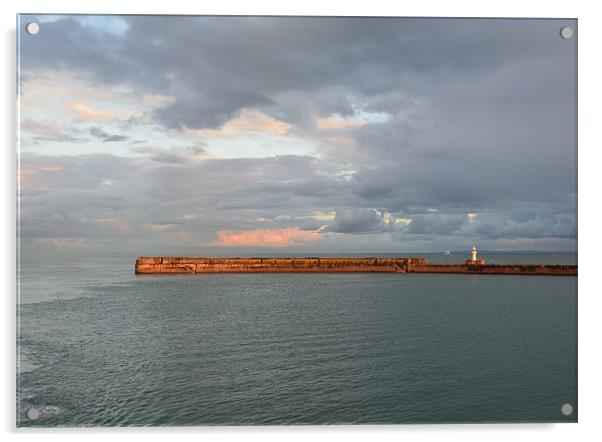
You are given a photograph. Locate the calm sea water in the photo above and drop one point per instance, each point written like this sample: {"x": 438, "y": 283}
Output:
{"x": 101, "y": 346}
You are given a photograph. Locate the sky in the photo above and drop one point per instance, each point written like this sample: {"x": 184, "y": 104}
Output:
{"x": 237, "y": 135}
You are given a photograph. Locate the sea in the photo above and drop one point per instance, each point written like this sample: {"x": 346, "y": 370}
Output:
{"x": 98, "y": 345}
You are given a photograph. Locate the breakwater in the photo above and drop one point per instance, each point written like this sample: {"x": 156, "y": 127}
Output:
{"x": 498, "y": 269}
{"x": 183, "y": 265}
{"x": 272, "y": 265}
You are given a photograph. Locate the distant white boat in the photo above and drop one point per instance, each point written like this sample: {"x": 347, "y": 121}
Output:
{"x": 446, "y": 252}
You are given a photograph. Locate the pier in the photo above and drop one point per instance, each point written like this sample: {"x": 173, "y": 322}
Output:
{"x": 190, "y": 265}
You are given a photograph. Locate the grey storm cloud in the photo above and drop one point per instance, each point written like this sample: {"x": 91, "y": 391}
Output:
{"x": 168, "y": 158}
{"x": 215, "y": 66}
{"x": 356, "y": 220}
{"x": 479, "y": 118}
{"x": 105, "y": 137}
{"x": 208, "y": 110}
{"x": 233, "y": 195}
{"x": 63, "y": 138}
{"x": 174, "y": 155}
{"x": 435, "y": 224}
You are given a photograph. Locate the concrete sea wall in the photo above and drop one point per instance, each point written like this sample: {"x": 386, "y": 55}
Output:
{"x": 496, "y": 269}
{"x": 271, "y": 265}
{"x": 174, "y": 265}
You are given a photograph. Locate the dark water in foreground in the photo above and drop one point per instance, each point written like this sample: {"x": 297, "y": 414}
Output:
{"x": 100, "y": 346}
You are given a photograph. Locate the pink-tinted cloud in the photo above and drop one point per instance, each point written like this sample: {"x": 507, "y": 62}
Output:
{"x": 247, "y": 121}
{"x": 333, "y": 122}
{"x": 265, "y": 237}
{"x": 27, "y": 173}
{"x": 42, "y": 128}
{"x": 86, "y": 113}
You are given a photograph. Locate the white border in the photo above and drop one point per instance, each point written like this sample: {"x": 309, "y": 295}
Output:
{"x": 590, "y": 247}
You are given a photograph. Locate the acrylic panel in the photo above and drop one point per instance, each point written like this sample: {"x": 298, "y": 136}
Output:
{"x": 229, "y": 220}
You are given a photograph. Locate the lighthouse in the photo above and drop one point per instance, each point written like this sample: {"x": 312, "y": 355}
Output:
{"x": 473, "y": 261}
{"x": 473, "y": 254}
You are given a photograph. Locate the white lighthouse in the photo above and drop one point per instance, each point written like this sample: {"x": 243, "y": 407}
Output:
{"x": 473, "y": 254}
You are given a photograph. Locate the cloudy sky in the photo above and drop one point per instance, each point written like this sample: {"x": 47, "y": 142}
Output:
{"x": 241, "y": 134}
